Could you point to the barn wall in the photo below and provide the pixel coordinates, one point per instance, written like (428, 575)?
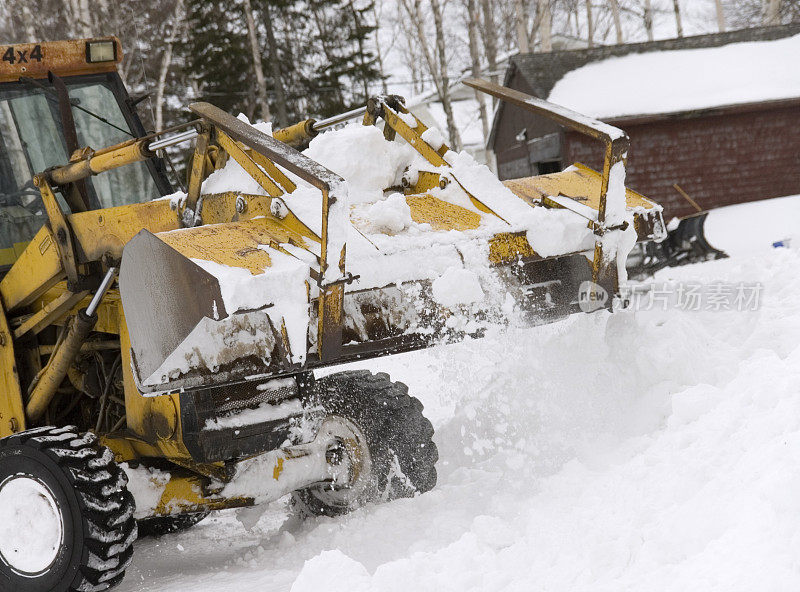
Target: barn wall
(718, 160)
(513, 159)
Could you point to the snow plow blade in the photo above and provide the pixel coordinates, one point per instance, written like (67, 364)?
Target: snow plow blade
(176, 314)
(685, 244)
(165, 296)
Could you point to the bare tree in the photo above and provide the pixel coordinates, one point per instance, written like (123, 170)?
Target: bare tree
(720, 16)
(617, 23)
(475, 58)
(444, 84)
(255, 51)
(166, 62)
(438, 71)
(378, 50)
(274, 62)
(490, 38)
(411, 47)
(545, 25)
(771, 12)
(590, 22)
(28, 20)
(522, 26)
(81, 17)
(648, 19)
(678, 25)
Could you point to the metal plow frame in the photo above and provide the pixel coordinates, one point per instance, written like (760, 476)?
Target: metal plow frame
(611, 213)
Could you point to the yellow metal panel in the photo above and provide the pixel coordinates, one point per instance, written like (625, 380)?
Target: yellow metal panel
(221, 207)
(12, 413)
(579, 183)
(107, 231)
(507, 247)
(441, 215)
(101, 232)
(234, 244)
(9, 255)
(153, 419)
(37, 270)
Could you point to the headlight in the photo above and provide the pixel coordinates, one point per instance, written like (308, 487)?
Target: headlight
(100, 51)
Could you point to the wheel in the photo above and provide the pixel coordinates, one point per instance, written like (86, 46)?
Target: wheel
(387, 440)
(66, 516)
(161, 525)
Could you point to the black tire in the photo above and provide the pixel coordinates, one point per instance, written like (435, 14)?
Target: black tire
(398, 436)
(90, 498)
(161, 525)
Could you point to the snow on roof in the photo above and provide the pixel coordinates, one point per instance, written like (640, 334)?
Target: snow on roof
(681, 80)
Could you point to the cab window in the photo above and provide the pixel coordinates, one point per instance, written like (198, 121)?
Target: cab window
(32, 140)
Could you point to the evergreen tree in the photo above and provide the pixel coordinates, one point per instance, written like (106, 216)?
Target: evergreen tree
(349, 69)
(217, 56)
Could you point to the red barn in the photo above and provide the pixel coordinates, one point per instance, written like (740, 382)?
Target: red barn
(718, 116)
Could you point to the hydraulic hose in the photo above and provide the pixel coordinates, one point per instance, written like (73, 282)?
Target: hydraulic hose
(62, 358)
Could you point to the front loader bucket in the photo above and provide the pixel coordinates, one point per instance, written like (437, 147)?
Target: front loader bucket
(165, 295)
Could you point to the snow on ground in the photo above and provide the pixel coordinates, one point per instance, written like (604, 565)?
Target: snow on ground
(646, 450)
(736, 229)
(671, 81)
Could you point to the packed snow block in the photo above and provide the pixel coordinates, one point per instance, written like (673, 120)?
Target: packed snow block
(165, 296)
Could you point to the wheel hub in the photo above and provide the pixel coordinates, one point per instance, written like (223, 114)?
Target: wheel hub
(31, 524)
(347, 452)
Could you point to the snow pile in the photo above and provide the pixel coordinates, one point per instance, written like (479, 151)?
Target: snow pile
(743, 229)
(216, 343)
(679, 80)
(147, 485)
(362, 156)
(433, 137)
(371, 165)
(389, 216)
(457, 286)
(557, 228)
(282, 286)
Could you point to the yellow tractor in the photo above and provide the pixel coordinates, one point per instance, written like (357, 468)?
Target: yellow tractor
(173, 341)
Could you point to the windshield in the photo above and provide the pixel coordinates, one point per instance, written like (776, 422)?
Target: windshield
(32, 140)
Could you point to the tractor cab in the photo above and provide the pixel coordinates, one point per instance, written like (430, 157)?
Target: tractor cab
(56, 98)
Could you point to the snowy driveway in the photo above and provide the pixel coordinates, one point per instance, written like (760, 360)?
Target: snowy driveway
(649, 450)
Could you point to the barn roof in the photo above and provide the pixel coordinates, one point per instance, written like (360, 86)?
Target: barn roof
(683, 80)
(667, 76)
